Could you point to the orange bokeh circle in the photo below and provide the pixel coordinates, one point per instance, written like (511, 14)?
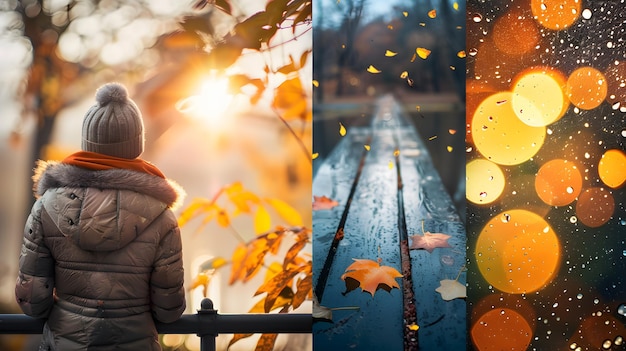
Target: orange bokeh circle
(595, 207)
(514, 33)
(558, 182)
(556, 14)
(501, 329)
(612, 168)
(616, 80)
(586, 88)
(518, 252)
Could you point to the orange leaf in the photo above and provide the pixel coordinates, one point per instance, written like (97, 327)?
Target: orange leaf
(292, 100)
(274, 286)
(432, 13)
(266, 342)
(237, 271)
(323, 203)
(422, 53)
(286, 212)
(222, 218)
(429, 241)
(304, 287)
(370, 276)
(342, 129)
(372, 69)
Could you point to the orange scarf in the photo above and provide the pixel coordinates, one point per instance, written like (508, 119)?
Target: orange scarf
(99, 162)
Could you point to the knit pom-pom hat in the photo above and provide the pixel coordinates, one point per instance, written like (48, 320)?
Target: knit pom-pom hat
(113, 126)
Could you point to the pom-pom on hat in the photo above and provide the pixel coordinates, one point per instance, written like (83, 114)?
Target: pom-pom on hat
(113, 126)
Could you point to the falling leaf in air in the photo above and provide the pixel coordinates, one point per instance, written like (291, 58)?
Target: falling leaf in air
(422, 53)
(452, 68)
(404, 74)
(451, 289)
(455, 6)
(342, 129)
(390, 165)
(449, 148)
(422, 24)
(461, 54)
(396, 153)
(432, 13)
(370, 276)
(432, 137)
(367, 147)
(429, 241)
(372, 69)
(323, 203)
(315, 155)
(316, 83)
(405, 14)
(452, 131)
(414, 57)
(390, 53)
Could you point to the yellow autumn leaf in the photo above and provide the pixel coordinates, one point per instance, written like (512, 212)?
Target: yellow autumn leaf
(285, 211)
(222, 218)
(406, 14)
(342, 129)
(422, 53)
(367, 147)
(455, 6)
(413, 326)
(449, 148)
(432, 137)
(390, 164)
(396, 153)
(372, 69)
(404, 74)
(452, 68)
(315, 155)
(461, 54)
(390, 53)
(432, 13)
(316, 83)
(262, 220)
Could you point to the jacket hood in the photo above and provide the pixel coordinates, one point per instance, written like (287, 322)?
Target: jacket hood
(102, 210)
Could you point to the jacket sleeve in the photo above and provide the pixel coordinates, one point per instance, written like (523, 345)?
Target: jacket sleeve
(167, 279)
(35, 280)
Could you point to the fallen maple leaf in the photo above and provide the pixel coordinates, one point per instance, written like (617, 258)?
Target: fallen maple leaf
(451, 289)
(370, 276)
(429, 241)
(323, 203)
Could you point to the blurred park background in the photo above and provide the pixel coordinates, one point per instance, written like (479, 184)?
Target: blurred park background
(224, 87)
(367, 49)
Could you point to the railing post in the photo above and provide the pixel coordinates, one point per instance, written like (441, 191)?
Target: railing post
(206, 320)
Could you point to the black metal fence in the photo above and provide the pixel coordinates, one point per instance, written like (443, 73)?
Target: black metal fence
(207, 324)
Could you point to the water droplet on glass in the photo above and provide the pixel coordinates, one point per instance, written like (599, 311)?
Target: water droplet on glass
(596, 301)
(607, 344)
(587, 155)
(572, 346)
(506, 218)
(477, 18)
(473, 51)
(543, 7)
(624, 133)
(573, 219)
(447, 260)
(556, 304)
(621, 310)
(483, 194)
(586, 14)
(609, 44)
(618, 340)
(569, 190)
(579, 296)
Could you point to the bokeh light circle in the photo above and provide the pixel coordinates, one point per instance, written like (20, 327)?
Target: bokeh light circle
(500, 136)
(538, 98)
(612, 168)
(586, 88)
(518, 252)
(514, 33)
(616, 80)
(484, 181)
(488, 331)
(595, 207)
(558, 182)
(556, 14)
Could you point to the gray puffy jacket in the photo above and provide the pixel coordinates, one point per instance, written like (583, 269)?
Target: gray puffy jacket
(101, 258)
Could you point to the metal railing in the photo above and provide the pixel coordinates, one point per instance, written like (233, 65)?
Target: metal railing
(207, 324)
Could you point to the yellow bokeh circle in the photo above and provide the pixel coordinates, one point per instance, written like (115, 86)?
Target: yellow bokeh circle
(518, 252)
(586, 88)
(500, 136)
(538, 99)
(612, 168)
(556, 14)
(484, 181)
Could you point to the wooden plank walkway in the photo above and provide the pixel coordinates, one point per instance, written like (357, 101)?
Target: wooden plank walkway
(383, 198)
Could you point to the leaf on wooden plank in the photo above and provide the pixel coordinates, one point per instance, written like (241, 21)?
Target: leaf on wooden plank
(285, 211)
(451, 289)
(423, 53)
(323, 203)
(262, 220)
(370, 276)
(266, 342)
(429, 241)
(321, 313)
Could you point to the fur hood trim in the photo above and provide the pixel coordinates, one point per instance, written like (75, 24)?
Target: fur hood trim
(53, 174)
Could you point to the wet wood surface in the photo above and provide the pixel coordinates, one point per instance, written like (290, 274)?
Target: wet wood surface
(371, 231)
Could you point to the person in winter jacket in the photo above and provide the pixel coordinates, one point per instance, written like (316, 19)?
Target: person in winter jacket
(101, 258)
